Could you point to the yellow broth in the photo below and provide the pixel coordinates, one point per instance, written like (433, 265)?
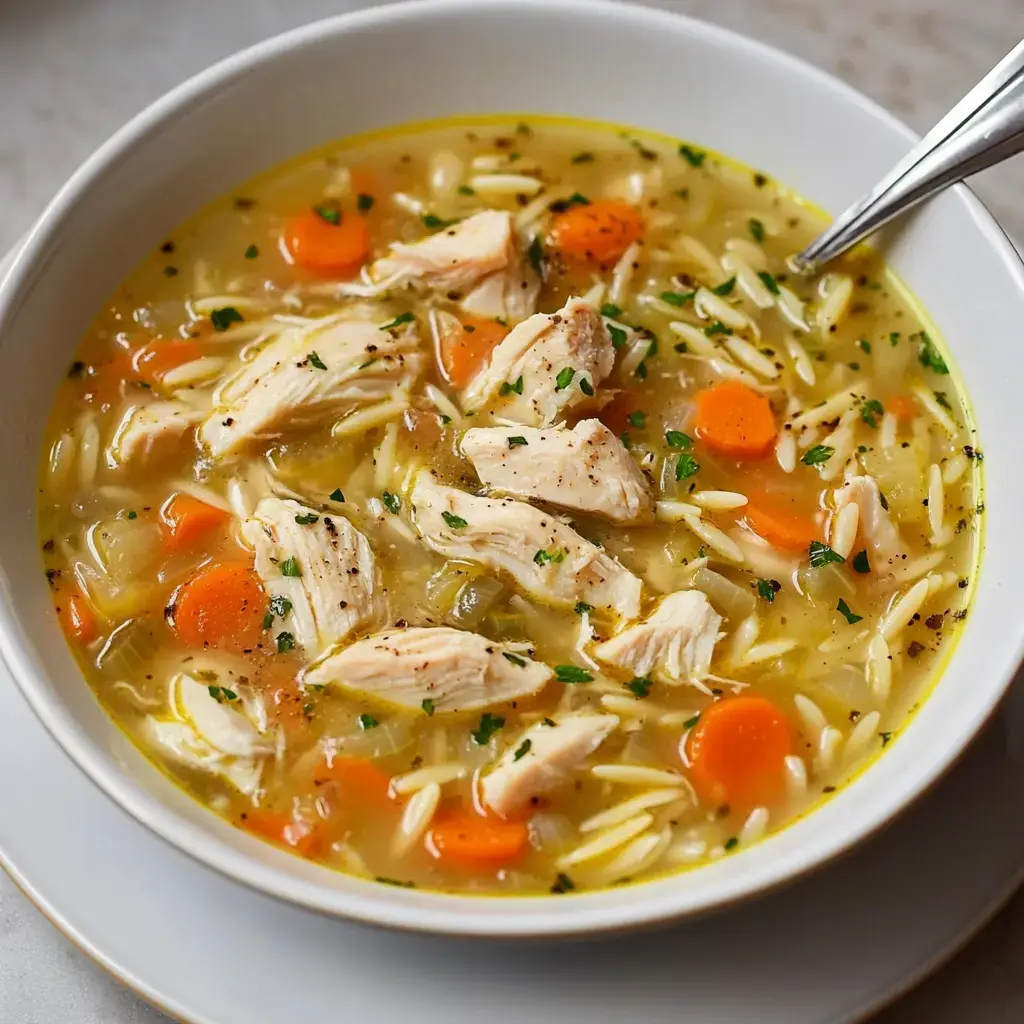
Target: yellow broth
(799, 631)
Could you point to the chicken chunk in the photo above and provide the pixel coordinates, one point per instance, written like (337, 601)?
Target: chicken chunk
(586, 469)
(150, 429)
(545, 366)
(319, 571)
(673, 645)
(454, 669)
(331, 368)
(509, 294)
(876, 525)
(546, 558)
(552, 753)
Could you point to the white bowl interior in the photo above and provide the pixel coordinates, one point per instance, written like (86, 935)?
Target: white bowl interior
(621, 64)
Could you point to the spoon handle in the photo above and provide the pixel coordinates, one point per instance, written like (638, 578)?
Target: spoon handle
(984, 128)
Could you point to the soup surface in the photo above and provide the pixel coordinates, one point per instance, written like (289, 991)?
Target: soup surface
(487, 508)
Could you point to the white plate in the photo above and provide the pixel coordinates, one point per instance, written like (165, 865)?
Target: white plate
(831, 948)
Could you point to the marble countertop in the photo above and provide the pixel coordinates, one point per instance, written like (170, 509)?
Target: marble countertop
(72, 71)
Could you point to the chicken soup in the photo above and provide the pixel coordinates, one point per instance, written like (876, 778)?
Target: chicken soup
(489, 508)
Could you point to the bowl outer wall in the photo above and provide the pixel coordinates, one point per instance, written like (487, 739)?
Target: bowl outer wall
(628, 65)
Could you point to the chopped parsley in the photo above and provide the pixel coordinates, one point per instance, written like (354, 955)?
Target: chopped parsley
(563, 883)
(885, 737)
(516, 388)
(453, 521)
(316, 361)
(769, 282)
(767, 589)
(610, 310)
(307, 518)
(489, 725)
(514, 658)
(756, 229)
(731, 843)
(467, 190)
(535, 254)
(583, 158)
(844, 609)
(694, 157)
(280, 605)
(364, 202)
(132, 514)
(677, 439)
(336, 495)
(676, 298)
(516, 440)
(817, 455)
(870, 411)
(617, 334)
(522, 750)
(285, 642)
(860, 562)
(586, 387)
(222, 319)
(864, 345)
(637, 419)
(640, 686)
(291, 567)
(940, 397)
(435, 223)
(821, 554)
(367, 722)
(641, 372)
(581, 608)
(428, 706)
(402, 318)
(252, 252)
(564, 378)
(691, 722)
(329, 212)
(544, 557)
(717, 328)
(392, 502)
(572, 674)
(930, 356)
(222, 693)
(686, 466)
(726, 287)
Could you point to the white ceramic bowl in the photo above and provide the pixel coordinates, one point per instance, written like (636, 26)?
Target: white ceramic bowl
(402, 63)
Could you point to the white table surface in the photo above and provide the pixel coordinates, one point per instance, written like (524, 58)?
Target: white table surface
(72, 71)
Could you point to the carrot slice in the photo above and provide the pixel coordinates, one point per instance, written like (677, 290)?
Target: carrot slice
(221, 605)
(903, 407)
(318, 243)
(307, 838)
(737, 753)
(464, 353)
(185, 520)
(735, 421)
(77, 618)
(597, 232)
(153, 360)
(470, 840)
(785, 528)
(358, 779)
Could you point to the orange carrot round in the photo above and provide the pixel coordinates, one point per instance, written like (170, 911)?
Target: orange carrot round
(153, 360)
(221, 605)
(903, 407)
(307, 838)
(464, 352)
(359, 779)
(328, 242)
(77, 618)
(185, 520)
(469, 840)
(737, 753)
(788, 529)
(597, 232)
(735, 421)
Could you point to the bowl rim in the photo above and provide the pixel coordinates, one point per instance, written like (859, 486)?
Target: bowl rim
(583, 914)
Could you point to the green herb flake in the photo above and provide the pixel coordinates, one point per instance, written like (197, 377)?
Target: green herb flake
(453, 521)
(821, 554)
(883, 501)
(885, 737)
(514, 658)
(870, 411)
(637, 419)
(546, 557)
(572, 674)
(581, 608)
(930, 356)
(392, 502)
(690, 723)
(677, 439)
(489, 725)
(677, 299)
(640, 686)
(694, 157)
(516, 441)
(364, 202)
(686, 466)
(402, 318)
(268, 620)
(435, 223)
(252, 252)
(717, 328)
(726, 287)
(329, 212)
(369, 362)
(367, 722)
(586, 387)
(730, 844)
(864, 345)
(428, 707)
(610, 310)
(641, 372)
(285, 642)
(564, 378)
(291, 567)
(307, 518)
(336, 495)
(894, 338)
(522, 750)
(860, 562)
(222, 319)
(280, 605)
(562, 884)
(618, 335)
(766, 589)
(817, 455)
(316, 361)
(844, 609)
(940, 397)
(516, 388)
(769, 282)
(535, 254)
(132, 514)
(756, 229)
(466, 190)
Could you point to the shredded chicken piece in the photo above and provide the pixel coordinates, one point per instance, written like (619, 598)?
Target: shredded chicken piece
(551, 754)
(453, 669)
(305, 374)
(586, 469)
(546, 558)
(333, 586)
(876, 524)
(673, 645)
(545, 366)
(150, 429)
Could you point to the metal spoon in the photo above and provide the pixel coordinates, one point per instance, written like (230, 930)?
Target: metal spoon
(984, 128)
